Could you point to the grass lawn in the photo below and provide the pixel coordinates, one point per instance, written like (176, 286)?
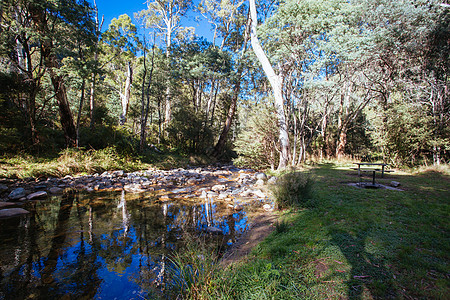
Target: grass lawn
(354, 244)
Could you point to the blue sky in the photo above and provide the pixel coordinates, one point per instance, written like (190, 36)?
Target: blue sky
(114, 8)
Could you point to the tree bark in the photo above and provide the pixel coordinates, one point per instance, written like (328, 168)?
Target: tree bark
(80, 108)
(125, 96)
(275, 82)
(145, 104)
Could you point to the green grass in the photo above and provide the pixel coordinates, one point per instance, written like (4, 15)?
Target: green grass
(354, 244)
(78, 161)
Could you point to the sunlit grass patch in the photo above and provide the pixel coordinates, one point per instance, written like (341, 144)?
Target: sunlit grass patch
(357, 243)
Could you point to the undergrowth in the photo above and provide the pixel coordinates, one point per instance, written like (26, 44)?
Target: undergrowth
(70, 161)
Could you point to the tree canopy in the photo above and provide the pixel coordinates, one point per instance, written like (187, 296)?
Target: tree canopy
(365, 79)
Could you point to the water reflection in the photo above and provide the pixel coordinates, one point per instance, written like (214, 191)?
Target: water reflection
(105, 247)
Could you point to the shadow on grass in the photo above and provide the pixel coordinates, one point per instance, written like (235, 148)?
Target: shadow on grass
(367, 272)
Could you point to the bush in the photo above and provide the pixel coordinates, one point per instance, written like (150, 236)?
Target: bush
(255, 144)
(293, 189)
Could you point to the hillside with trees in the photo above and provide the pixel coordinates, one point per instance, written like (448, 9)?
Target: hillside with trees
(281, 83)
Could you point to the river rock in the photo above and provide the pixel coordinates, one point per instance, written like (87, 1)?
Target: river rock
(3, 188)
(6, 204)
(13, 212)
(223, 196)
(259, 193)
(37, 195)
(260, 176)
(133, 188)
(272, 180)
(259, 182)
(238, 207)
(55, 190)
(267, 207)
(17, 194)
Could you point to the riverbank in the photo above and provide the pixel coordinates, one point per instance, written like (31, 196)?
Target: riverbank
(353, 244)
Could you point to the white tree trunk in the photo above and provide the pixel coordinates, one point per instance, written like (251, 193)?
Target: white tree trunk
(275, 83)
(125, 96)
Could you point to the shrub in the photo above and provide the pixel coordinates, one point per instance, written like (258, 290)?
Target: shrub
(293, 189)
(255, 144)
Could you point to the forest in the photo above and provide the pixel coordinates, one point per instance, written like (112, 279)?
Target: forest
(281, 82)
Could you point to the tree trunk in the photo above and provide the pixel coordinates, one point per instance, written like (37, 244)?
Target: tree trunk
(125, 96)
(220, 146)
(98, 26)
(168, 107)
(145, 104)
(80, 108)
(91, 101)
(65, 114)
(275, 82)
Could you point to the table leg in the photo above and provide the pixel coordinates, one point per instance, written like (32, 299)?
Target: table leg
(382, 171)
(373, 179)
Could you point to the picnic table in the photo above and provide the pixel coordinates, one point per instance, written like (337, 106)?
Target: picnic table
(371, 168)
(371, 165)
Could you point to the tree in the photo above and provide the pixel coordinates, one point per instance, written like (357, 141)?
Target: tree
(275, 82)
(164, 16)
(122, 43)
(75, 17)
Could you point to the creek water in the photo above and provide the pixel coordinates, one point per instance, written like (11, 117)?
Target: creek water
(105, 245)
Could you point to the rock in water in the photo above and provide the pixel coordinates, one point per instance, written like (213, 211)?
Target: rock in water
(13, 212)
(37, 195)
(17, 194)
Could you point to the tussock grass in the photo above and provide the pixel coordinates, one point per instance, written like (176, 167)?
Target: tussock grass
(293, 189)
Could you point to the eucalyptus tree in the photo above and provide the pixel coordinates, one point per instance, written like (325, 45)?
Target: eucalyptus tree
(165, 17)
(231, 23)
(96, 46)
(404, 66)
(21, 47)
(121, 42)
(276, 84)
(38, 32)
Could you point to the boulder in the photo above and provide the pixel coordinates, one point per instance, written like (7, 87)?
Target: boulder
(17, 194)
(37, 195)
(13, 212)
